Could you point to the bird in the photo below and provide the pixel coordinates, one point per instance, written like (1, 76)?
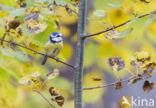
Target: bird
(53, 46)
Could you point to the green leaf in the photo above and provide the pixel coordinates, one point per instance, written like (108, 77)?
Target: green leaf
(11, 53)
(25, 30)
(61, 2)
(132, 20)
(114, 5)
(17, 12)
(6, 8)
(134, 1)
(100, 13)
(8, 52)
(29, 3)
(4, 76)
(125, 32)
(19, 55)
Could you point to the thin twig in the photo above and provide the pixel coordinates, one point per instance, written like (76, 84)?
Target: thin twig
(111, 84)
(36, 52)
(109, 29)
(44, 98)
(63, 6)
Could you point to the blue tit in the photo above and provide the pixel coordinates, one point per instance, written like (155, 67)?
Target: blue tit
(53, 46)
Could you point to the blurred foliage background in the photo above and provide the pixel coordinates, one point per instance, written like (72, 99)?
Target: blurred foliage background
(16, 62)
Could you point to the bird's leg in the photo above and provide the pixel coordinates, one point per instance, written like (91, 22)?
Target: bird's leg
(57, 59)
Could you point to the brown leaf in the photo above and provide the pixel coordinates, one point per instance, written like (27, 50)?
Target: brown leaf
(142, 56)
(147, 87)
(21, 3)
(148, 72)
(13, 24)
(59, 100)
(148, 69)
(53, 91)
(150, 65)
(118, 85)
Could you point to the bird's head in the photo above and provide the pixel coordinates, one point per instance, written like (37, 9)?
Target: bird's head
(56, 37)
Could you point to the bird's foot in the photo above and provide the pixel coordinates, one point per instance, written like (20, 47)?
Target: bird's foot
(57, 59)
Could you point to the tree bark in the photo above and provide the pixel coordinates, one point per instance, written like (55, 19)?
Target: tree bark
(80, 54)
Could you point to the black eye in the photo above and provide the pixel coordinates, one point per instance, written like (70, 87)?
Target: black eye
(57, 35)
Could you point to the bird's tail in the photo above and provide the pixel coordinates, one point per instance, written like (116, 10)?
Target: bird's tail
(44, 59)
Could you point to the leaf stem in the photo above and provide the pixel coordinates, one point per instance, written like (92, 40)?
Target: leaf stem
(44, 98)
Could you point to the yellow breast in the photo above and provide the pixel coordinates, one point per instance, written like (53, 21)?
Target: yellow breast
(53, 49)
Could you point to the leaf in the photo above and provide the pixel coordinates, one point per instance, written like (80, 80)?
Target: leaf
(17, 12)
(118, 85)
(147, 87)
(21, 56)
(8, 52)
(53, 91)
(132, 20)
(148, 22)
(61, 2)
(35, 26)
(100, 13)
(35, 74)
(114, 5)
(29, 3)
(6, 8)
(134, 1)
(32, 80)
(25, 81)
(142, 56)
(59, 100)
(52, 74)
(125, 32)
(21, 3)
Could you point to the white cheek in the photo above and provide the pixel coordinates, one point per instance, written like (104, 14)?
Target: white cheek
(57, 39)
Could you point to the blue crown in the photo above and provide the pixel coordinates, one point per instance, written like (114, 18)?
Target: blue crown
(53, 34)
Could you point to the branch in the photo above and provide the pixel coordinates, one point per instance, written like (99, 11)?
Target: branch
(81, 30)
(69, 8)
(44, 98)
(109, 29)
(38, 52)
(112, 84)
